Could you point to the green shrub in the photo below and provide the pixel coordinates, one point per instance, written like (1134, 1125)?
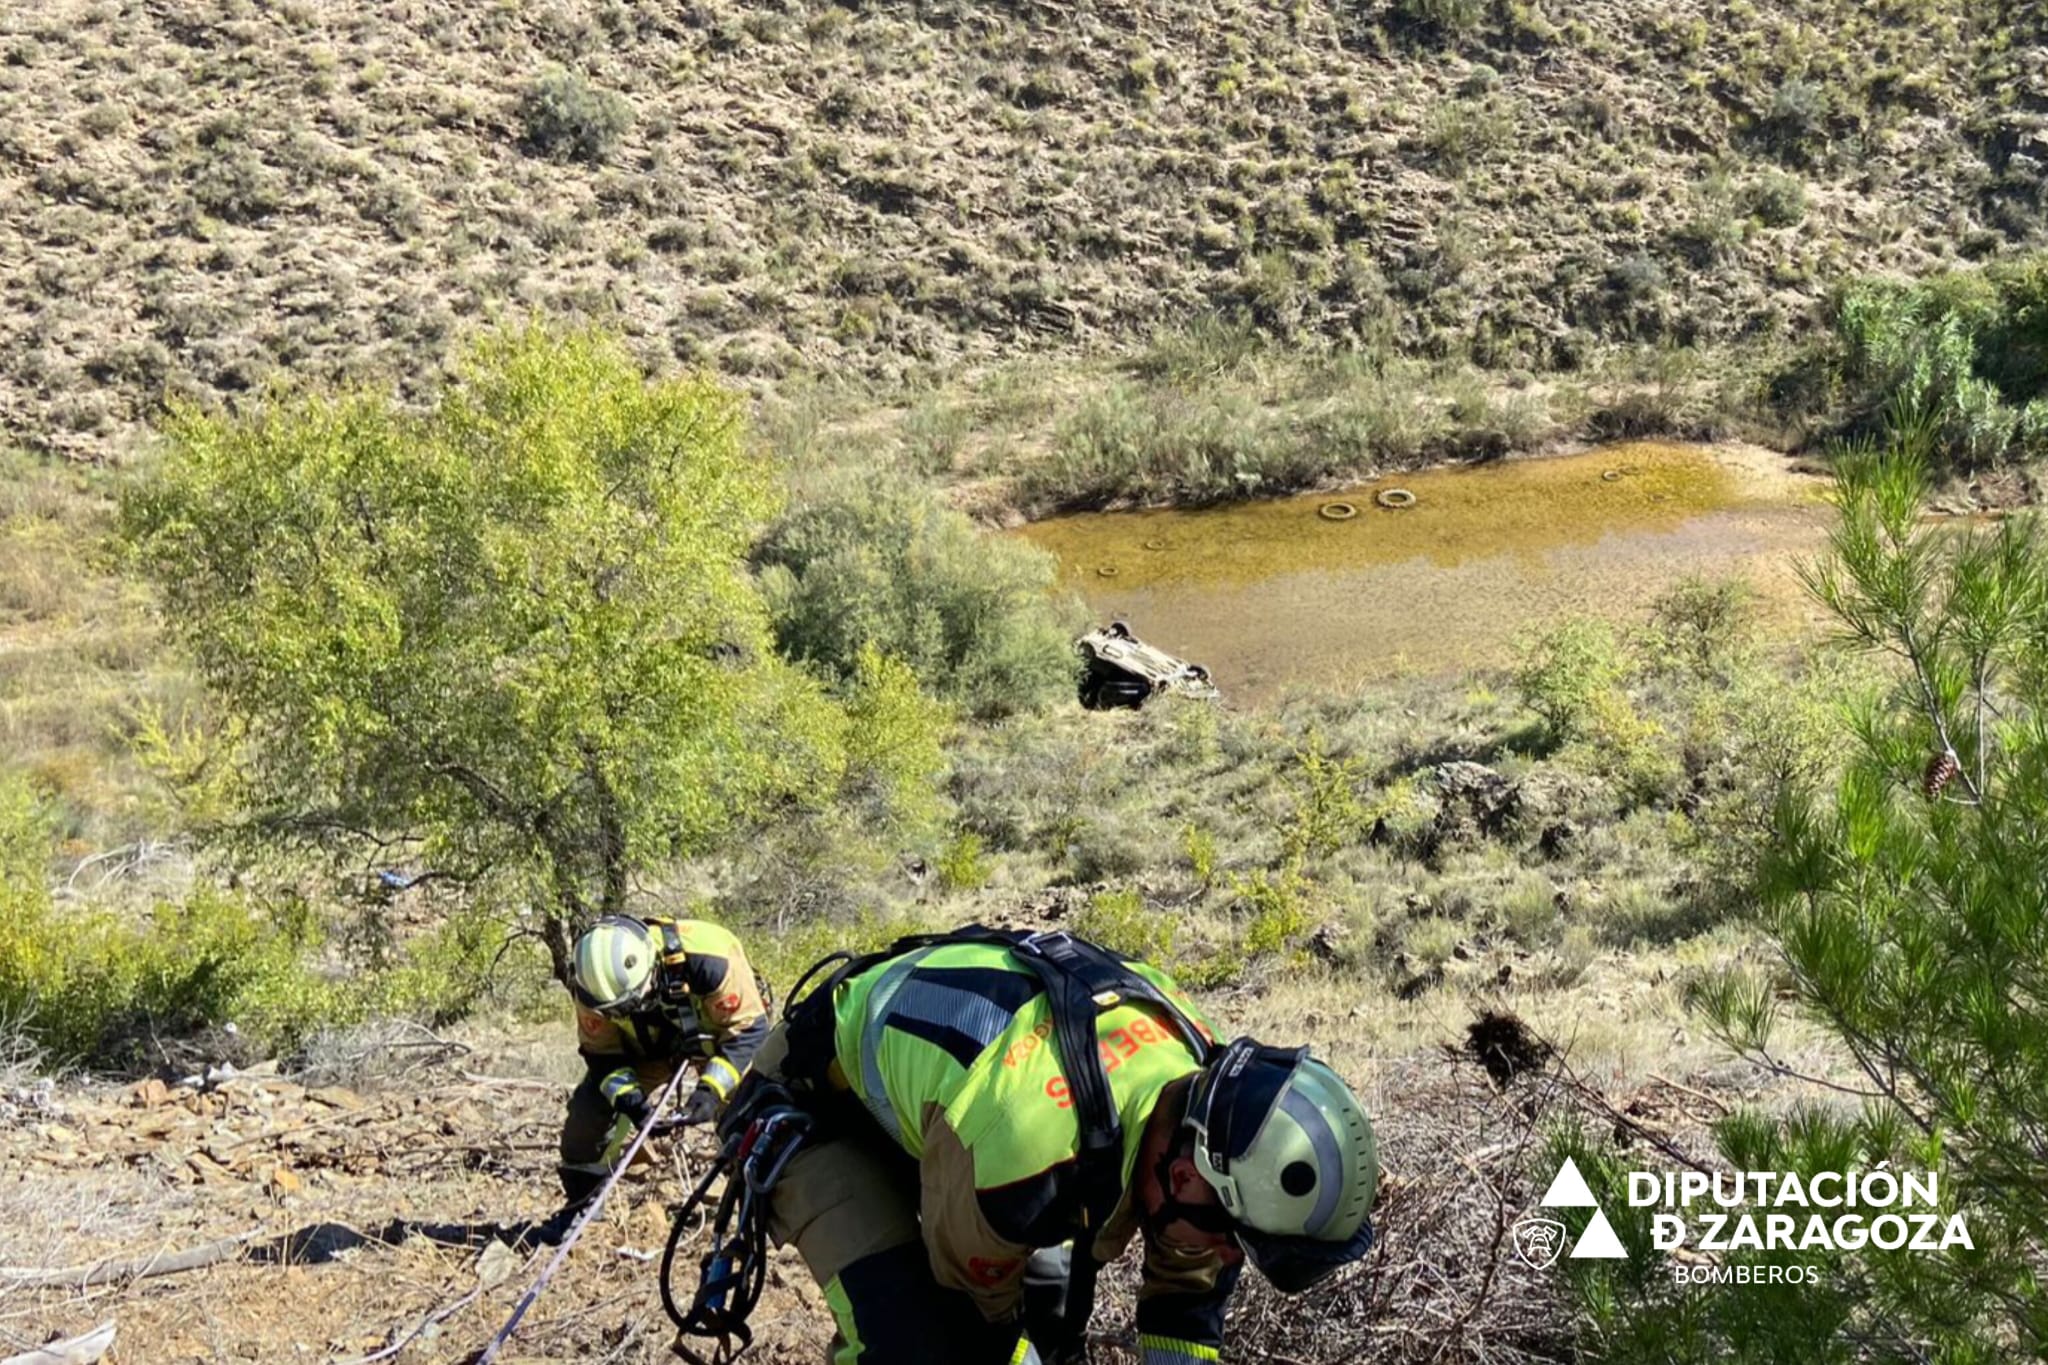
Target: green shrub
(895, 745)
(1461, 133)
(1198, 846)
(1120, 921)
(866, 561)
(1328, 813)
(1564, 673)
(105, 985)
(1911, 361)
(1274, 909)
(1777, 200)
(1715, 231)
(1702, 626)
(1209, 348)
(565, 115)
(961, 865)
(516, 625)
(934, 433)
(1796, 124)
(1447, 18)
(1108, 849)
(1431, 942)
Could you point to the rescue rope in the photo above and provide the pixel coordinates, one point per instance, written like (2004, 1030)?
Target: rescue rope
(590, 1211)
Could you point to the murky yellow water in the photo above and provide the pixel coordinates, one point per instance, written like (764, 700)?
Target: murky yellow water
(1271, 593)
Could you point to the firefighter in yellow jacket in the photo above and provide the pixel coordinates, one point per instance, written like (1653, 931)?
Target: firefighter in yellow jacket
(987, 1096)
(653, 995)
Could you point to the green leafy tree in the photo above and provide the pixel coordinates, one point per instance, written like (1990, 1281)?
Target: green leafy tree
(512, 636)
(1908, 914)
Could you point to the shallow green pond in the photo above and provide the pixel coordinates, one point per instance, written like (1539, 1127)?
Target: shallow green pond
(1296, 591)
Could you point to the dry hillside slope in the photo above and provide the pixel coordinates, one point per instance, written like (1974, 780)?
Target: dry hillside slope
(198, 194)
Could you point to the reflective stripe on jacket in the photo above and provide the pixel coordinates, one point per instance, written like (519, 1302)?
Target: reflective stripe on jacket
(950, 1050)
(707, 1008)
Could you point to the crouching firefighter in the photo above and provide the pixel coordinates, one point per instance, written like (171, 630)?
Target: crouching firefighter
(651, 996)
(972, 1103)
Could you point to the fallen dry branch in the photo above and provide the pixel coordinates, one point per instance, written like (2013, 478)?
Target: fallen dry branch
(82, 1350)
(131, 1269)
(438, 1316)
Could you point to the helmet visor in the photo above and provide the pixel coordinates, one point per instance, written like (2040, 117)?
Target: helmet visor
(610, 1009)
(1294, 1264)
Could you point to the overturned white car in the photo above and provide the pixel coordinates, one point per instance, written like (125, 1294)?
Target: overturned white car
(1119, 669)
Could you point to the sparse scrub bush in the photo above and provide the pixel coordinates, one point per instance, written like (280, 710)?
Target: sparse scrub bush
(1702, 626)
(1713, 233)
(1147, 445)
(1274, 909)
(867, 561)
(1617, 741)
(1198, 847)
(1576, 950)
(895, 745)
(1796, 124)
(1564, 673)
(231, 182)
(962, 865)
(934, 434)
(1106, 849)
(1528, 910)
(1121, 921)
(1464, 132)
(1208, 348)
(1750, 736)
(1375, 413)
(1328, 813)
(1632, 302)
(1430, 942)
(1776, 200)
(1190, 735)
(566, 115)
(1447, 18)
(104, 984)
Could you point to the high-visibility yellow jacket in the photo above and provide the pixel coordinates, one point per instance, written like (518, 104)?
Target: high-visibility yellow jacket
(950, 1049)
(706, 1007)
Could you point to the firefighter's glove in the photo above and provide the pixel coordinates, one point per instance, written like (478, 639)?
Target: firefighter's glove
(632, 1105)
(701, 1107)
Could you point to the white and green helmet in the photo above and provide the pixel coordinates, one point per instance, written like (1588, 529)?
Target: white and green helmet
(1289, 1151)
(614, 965)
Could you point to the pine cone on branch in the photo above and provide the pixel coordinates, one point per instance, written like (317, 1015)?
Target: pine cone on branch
(1941, 770)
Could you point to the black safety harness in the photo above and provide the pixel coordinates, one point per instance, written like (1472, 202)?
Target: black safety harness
(763, 1129)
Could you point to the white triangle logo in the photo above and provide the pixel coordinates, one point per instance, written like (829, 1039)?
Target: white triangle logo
(1569, 1191)
(1598, 1242)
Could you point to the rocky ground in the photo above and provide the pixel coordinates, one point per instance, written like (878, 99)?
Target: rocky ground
(382, 1223)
